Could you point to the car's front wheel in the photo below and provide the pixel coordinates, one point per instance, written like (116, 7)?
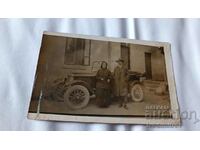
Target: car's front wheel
(77, 97)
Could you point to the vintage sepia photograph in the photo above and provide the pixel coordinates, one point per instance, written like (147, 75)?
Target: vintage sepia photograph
(107, 80)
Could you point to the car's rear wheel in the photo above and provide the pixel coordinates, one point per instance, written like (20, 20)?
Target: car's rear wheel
(137, 92)
(77, 97)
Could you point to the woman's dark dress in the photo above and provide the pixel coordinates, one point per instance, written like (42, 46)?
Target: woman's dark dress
(103, 87)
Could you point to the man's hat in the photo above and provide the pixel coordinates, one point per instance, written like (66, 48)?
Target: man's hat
(120, 60)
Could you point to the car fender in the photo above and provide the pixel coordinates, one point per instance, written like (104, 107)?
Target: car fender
(135, 82)
(80, 82)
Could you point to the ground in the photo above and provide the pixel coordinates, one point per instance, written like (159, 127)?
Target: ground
(151, 102)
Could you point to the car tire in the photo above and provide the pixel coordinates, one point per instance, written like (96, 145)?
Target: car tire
(137, 92)
(77, 97)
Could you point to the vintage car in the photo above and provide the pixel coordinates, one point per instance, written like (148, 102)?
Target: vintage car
(76, 89)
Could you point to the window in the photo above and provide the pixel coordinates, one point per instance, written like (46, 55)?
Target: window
(77, 51)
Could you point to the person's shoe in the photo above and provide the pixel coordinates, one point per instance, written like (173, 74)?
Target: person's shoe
(125, 106)
(120, 105)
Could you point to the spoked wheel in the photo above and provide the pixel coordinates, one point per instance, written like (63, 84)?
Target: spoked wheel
(137, 92)
(77, 97)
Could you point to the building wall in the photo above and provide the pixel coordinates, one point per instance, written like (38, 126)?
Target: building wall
(137, 57)
(100, 51)
(158, 65)
(115, 49)
(105, 51)
(137, 54)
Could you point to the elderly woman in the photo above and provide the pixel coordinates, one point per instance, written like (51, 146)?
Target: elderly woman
(103, 85)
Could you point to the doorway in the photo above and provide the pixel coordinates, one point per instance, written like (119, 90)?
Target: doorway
(125, 54)
(148, 67)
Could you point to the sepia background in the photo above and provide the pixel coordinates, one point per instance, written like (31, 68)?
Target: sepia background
(20, 41)
(62, 56)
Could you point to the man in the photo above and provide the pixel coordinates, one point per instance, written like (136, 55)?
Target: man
(103, 86)
(121, 83)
